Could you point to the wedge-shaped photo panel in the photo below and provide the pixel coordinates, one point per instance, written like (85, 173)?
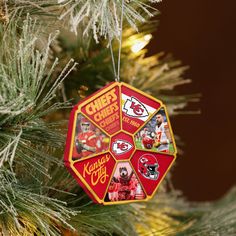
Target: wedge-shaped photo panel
(156, 135)
(88, 139)
(124, 185)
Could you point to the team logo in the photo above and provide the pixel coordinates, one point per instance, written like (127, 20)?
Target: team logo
(121, 146)
(135, 108)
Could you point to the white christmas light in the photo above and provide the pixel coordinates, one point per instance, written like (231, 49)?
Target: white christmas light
(141, 43)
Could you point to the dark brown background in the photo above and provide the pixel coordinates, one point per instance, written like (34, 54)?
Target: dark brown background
(201, 33)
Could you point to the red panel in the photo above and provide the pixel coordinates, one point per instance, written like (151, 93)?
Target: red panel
(96, 172)
(104, 110)
(150, 176)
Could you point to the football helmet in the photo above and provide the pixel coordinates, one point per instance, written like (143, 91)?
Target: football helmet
(147, 166)
(148, 139)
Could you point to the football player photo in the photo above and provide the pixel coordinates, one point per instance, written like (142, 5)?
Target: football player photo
(124, 185)
(156, 135)
(88, 139)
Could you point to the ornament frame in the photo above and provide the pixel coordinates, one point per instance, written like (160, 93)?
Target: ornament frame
(69, 162)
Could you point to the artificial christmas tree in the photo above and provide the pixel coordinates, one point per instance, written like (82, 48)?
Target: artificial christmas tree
(42, 73)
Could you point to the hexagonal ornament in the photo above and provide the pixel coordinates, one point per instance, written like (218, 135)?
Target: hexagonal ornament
(119, 145)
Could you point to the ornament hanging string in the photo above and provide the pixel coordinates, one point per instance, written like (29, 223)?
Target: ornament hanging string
(112, 58)
(117, 73)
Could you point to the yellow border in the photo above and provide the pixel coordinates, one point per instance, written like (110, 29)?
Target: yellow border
(72, 162)
(91, 156)
(140, 182)
(171, 131)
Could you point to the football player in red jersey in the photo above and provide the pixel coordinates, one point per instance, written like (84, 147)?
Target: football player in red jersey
(86, 139)
(163, 138)
(102, 141)
(113, 190)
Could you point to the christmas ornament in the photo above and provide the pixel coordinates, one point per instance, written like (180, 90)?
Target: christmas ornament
(119, 144)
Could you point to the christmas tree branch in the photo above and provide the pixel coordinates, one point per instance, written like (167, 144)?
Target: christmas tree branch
(99, 18)
(27, 142)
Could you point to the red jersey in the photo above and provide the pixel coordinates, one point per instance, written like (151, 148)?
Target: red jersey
(99, 143)
(133, 183)
(88, 138)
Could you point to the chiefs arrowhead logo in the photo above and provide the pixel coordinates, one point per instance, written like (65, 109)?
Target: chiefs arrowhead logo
(121, 146)
(135, 108)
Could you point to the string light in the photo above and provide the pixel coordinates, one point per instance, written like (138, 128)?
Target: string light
(139, 44)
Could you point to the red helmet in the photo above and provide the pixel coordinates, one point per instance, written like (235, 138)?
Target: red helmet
(147, 142)
(147, 166)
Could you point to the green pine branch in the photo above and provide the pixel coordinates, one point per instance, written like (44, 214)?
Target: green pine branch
(27, 141)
